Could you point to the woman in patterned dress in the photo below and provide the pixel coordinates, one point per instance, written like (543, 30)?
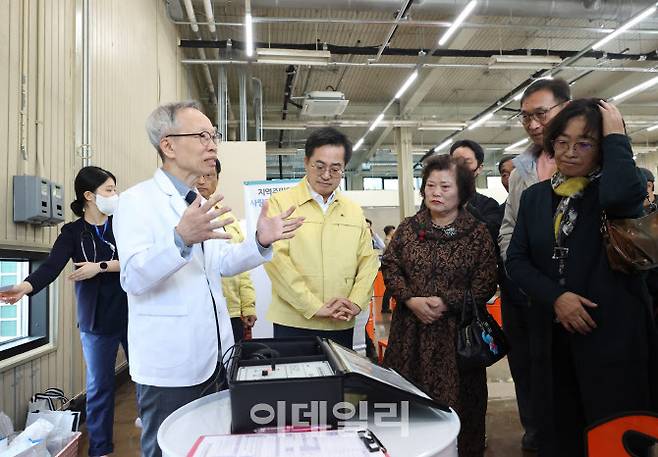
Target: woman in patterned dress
(435, 257)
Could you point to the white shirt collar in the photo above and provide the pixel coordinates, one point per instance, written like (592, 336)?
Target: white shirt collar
(320, 199)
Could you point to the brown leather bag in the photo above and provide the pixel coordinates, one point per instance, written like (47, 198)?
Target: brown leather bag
(631, 244)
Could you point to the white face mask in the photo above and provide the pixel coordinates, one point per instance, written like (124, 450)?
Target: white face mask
(107, 205)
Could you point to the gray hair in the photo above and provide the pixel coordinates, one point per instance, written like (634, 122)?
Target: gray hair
(162, 121)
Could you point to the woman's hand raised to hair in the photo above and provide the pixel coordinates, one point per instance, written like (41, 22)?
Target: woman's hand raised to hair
(613, 122)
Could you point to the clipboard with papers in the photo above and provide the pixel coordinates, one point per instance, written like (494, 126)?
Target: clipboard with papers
(330, 443)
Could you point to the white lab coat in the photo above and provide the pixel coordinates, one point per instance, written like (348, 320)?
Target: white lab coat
(172, 336)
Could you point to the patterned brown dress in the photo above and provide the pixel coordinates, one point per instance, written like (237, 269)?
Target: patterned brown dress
(421, 261)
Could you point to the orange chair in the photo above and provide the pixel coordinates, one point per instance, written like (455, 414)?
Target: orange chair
(494, 310)
(381, 347)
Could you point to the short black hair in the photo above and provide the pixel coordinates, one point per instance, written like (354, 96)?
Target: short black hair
(465, 178)
(473, 146)
(218, 167)
(585, 107)
(388, 229)
(502, 162)
(328, 135)
(557, 86)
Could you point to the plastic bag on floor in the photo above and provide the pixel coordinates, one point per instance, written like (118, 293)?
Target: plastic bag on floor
(6, 429)
(31, 442)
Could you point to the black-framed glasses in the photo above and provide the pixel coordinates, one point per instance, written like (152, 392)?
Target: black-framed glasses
(580, 147)
(335, 171)
(538, 115)
(204, 137)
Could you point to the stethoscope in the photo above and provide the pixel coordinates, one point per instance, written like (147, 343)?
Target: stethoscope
(93, 241)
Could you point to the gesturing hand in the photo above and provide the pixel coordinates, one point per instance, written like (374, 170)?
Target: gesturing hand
(198, 224)
(84, 271)
(275, 228)
(572, 314)
(14, 294)
(612, 119)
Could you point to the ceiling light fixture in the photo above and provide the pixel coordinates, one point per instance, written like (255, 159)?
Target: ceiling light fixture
(442, 145)
(652, 128)
(481, 120)
(407, 84)
(640, 17)
(512, 61)
(358, 144)
(455, 25)
(293, 56)
(376, 123)
(634, 90)
(516, 145)
(249, 35)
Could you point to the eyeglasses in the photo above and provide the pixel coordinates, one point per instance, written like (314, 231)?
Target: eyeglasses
(204, 137)
(335, 171)
(538, 115)
(580, 147)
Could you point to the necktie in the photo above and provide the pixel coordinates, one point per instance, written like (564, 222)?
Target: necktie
(190, 197)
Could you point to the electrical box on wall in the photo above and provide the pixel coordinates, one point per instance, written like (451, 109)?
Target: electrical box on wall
(37, 201)
(56, 204)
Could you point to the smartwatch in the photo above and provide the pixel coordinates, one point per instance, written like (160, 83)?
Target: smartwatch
(103, 266)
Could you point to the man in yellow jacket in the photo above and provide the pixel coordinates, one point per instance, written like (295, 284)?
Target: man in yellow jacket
(238, 290)
(323, 277)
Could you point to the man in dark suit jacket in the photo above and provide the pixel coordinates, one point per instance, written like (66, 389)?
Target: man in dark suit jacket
(484, 208)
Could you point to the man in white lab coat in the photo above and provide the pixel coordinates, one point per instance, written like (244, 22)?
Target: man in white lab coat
(172, 255)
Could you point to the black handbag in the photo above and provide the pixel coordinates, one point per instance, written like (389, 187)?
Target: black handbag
(480, 340)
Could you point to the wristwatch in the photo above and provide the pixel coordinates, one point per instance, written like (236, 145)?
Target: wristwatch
(103, 266)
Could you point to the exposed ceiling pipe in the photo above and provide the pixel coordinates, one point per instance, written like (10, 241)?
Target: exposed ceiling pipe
(191, 16)
(420, 23)
(189, 9)
(207, 76)
(611, 9)
(432, 65)
(210, 17)
(401, 13)
(482, 53)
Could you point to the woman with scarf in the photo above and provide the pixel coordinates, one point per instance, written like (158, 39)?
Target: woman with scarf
(592, 338)
(102, 304)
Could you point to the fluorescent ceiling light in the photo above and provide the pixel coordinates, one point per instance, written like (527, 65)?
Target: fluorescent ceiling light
(358, 144)
(249, 35)
(293, 56)
(455, 25)
(633, 90)
(448, 127)
(517, 144)
(442, 145)
(406, 84)
(376, 123)
(652, 128)
(640, 17)
(503, 61)
(481, 120)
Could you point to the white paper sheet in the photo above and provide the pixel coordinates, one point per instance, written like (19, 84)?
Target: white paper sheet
(308, 444)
